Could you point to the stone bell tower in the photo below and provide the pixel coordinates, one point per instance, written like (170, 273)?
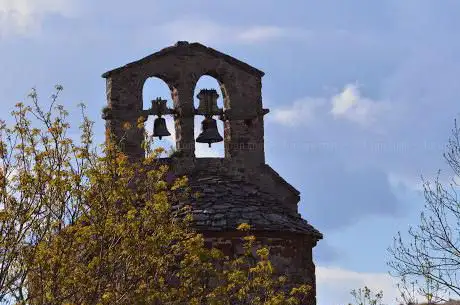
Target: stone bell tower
(239, 188)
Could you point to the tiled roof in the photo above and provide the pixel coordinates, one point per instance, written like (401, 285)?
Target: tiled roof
(226, 202)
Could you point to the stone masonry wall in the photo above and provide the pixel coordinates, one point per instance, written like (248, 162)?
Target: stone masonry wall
(237, 187)
(290, 254)
(180, 67)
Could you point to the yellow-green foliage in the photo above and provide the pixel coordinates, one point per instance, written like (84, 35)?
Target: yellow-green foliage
(365, 296)
(86, 226)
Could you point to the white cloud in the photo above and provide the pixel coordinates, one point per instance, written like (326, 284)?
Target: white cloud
(456, 180)
(261, 33)
(350, 105)
(202, 31)
(334, 285)
(209, 32)
(301, 112)
(25, 16)
(412, 183)
(417, 183)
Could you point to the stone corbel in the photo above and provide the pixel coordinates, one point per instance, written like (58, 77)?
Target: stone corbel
(229, 115)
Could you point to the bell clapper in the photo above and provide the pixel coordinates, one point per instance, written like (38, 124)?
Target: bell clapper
(159, 125)
(208, 107)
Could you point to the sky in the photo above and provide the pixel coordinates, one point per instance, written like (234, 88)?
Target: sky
(362, 97)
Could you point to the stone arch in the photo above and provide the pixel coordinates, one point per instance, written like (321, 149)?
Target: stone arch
(180, 67)
(207, 81)
(153, 87)
(162, 79)
(223, 78)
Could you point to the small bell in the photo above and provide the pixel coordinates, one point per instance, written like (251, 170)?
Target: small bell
(209, 133)
(159, 128)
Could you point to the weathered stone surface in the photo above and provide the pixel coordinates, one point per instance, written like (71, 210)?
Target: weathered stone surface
(238, 188)
(263, 212)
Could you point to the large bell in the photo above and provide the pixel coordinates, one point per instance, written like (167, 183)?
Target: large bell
(209, 133)
(159, 128)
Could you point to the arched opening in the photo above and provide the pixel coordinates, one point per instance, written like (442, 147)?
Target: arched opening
(153, 88)
(202, 149)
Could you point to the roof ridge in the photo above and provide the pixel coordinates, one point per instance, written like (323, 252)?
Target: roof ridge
(182, 46)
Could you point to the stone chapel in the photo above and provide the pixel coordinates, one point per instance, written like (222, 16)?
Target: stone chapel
(238, 188)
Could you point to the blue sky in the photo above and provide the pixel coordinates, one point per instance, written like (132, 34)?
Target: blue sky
(362, 95)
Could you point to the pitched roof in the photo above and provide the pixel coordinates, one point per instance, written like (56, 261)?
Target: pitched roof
(182, 47)
(226, 202)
